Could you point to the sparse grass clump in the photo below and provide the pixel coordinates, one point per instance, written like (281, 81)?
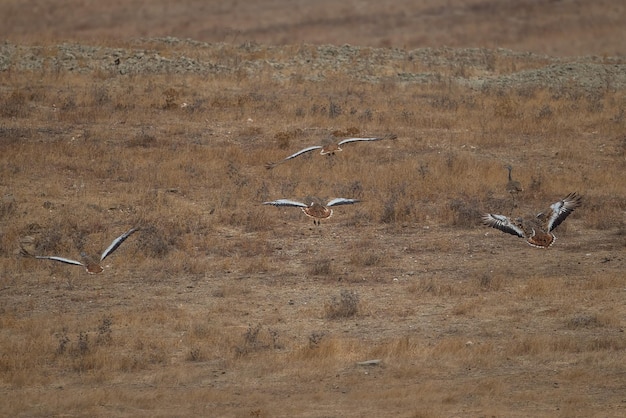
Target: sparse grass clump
(346, 306)
(466, 212)
(316, 338)
(367, 258)
(13, 105)
(489, 282)
(255, 340)
(321, 267)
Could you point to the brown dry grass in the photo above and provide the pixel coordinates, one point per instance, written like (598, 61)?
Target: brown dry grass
(223, 307)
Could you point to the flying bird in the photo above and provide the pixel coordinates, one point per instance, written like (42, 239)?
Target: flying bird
(315, 210)
(329, 149)
(536, 230)
(90, 265)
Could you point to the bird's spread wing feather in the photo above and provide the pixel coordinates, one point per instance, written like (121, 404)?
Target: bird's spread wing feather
(116, 243)
(61, 259)
(341, 201)
(302, 151)
(376, 138)
(504, 224)
(285, 202)
(561, 210)
(345, 141)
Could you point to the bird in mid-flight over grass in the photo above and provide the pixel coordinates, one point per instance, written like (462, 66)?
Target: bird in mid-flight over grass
(315, 210)
(536, 230)
(329, 149)
(90, 265)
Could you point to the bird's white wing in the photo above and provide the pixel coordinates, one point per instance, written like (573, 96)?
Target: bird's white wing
(302, 151)
(562, 209)
(285, 202)
(503, 223)
(116, 243)
(345, 141)
(375, 138)
(341, 201)
(61, 259)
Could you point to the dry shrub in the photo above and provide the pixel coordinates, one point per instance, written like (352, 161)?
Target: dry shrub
(367, 258)
(8, 206)
(93, 350)
(321, 267)
(283, 138)
(489, 282)
(249, 134)
(100, 95)
(258, 265)
(435, 288)
(14, 105)
(198, 338)
(604, 281)
(398, 206)
(157, 242)
(171, 98)
(398, 348)
(66, 236)
(196, 354)
(316, 338)
(255, 340)
(352, 131)
(105, 334)
(605, 319)
(583, 321)
(466, 212)
(143, 140)
(604, 212)
(542, 344)
(497, 205)
(329, 352)
(538, 287)
(11, 135)
(255, 219)
(468, 307)
(449, 346)
(346, 306)
(249, 246)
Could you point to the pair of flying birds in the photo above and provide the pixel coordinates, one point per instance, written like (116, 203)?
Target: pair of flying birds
(536, 230)
(315, 210)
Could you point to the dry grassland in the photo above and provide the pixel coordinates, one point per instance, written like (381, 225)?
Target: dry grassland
(220, 306)
(558, 27)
